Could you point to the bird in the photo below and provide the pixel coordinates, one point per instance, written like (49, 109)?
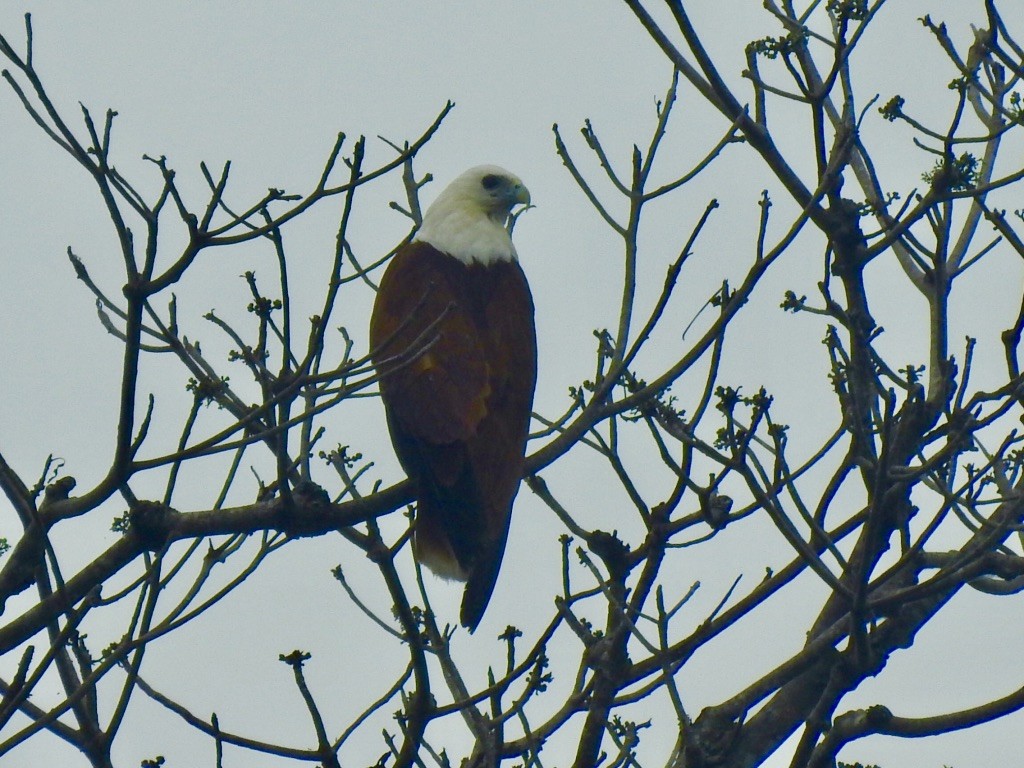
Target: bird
(454, 343)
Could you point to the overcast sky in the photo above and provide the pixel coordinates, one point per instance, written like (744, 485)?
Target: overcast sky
(268, 86)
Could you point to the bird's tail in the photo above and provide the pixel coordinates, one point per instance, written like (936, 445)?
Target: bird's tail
(433, 544)
(453, 539)
(482, 578)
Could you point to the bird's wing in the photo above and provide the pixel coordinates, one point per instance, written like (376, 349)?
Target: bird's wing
(496, 450)
(427, 349)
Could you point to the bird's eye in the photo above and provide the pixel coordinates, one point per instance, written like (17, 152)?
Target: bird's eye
(490, 182)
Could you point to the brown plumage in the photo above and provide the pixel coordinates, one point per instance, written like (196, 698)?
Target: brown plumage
(453, 339)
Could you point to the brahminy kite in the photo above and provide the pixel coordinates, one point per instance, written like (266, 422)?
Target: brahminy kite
(453, 340)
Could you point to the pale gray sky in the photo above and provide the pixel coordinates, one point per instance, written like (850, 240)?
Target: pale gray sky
(268, 86)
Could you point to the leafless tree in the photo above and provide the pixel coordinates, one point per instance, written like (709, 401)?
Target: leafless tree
(899, 492)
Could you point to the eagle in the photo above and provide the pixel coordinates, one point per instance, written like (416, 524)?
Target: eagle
(453, 340)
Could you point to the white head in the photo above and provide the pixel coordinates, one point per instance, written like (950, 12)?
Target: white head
(468, 219)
